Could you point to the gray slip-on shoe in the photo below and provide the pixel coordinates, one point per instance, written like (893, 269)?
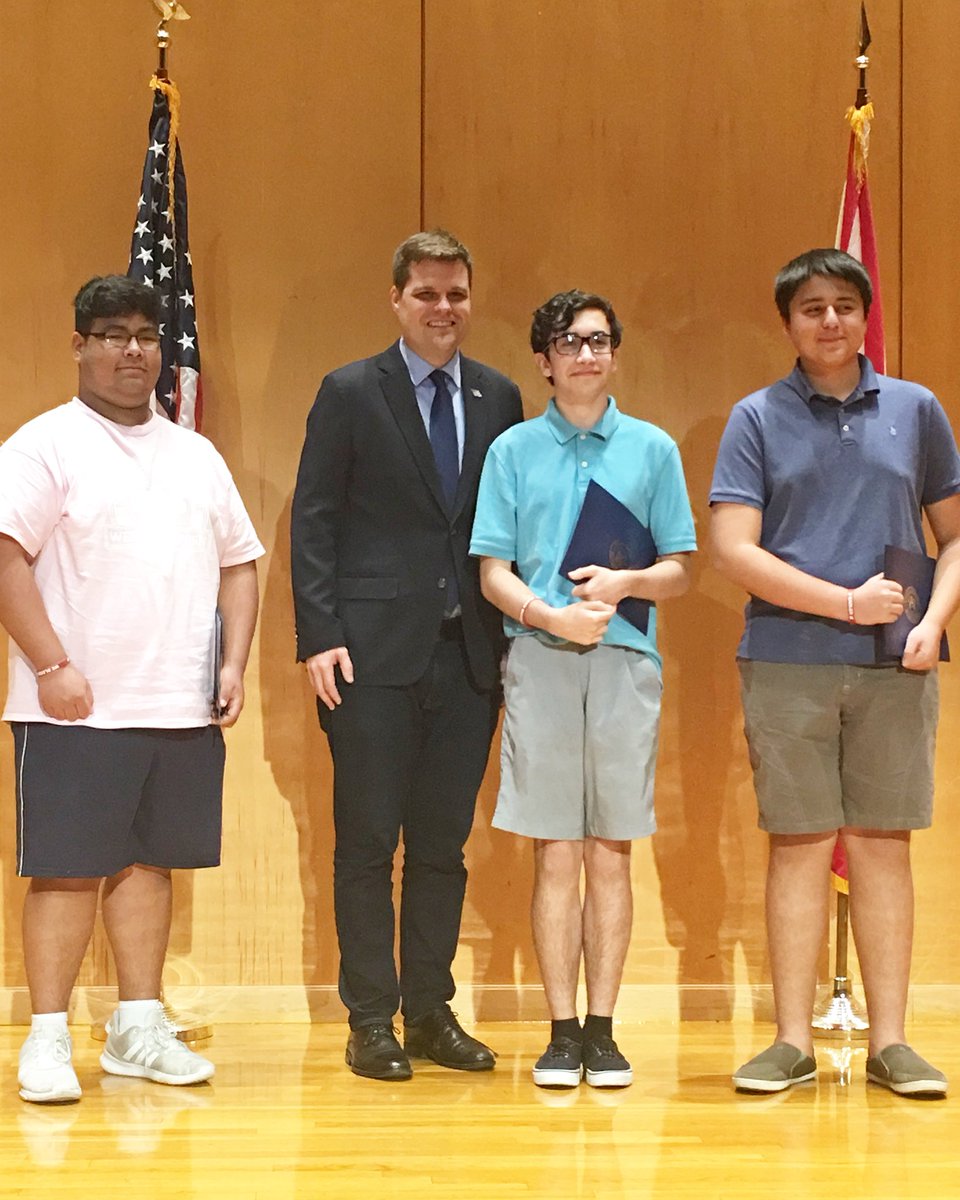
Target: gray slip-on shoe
(903, 1071)
(773, 1070)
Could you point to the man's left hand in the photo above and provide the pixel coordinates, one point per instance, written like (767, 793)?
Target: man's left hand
(231, 697)
(922, 650)
(599, 583)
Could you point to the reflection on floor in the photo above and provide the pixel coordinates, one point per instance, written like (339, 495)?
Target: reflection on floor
(285, 1118)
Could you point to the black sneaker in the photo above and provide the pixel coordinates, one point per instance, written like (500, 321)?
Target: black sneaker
(559, 1065)
(604, 1065)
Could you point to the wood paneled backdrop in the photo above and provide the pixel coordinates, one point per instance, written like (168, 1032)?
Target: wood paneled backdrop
(669, 153)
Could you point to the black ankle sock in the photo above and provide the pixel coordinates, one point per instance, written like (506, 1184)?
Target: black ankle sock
(569, 1028)
(595, 1026)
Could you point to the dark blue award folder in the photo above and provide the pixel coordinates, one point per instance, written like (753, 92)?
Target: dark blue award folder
(607, 534)
(914, 573)
(216, 706)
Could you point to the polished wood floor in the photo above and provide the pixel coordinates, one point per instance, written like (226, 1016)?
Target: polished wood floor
(285, 1118)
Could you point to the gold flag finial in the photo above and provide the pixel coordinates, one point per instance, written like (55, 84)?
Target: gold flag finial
(171, 10)
(861, 114)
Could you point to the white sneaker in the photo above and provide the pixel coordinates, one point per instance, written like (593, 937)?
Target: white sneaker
(152, 1051)
(46, 1075)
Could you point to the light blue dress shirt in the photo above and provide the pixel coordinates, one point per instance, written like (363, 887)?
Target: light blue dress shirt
(425, 388)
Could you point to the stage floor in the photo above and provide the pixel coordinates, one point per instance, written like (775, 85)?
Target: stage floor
(285, 1118)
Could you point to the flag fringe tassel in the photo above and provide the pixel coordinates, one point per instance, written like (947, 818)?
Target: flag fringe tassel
(172, 93)
(859, 120)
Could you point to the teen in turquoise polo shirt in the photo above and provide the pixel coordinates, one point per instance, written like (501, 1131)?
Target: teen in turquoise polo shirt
(581, 683)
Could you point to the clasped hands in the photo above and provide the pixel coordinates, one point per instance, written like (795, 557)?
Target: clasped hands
(879, 601)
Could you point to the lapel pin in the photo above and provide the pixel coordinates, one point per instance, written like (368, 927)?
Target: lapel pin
(476, 392)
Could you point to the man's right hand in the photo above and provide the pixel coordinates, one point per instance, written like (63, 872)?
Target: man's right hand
(65, 695)
(879, 601)
(584, 622)
(323, 675)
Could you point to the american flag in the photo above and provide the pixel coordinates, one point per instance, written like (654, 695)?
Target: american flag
(160, 257)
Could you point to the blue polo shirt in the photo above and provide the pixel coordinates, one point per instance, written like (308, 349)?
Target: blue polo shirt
(534, 480)
(836, 482)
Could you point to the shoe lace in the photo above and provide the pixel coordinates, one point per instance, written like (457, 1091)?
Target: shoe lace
(564, 1045)
(43, 1044)
(374, 1031)
(154, 1040)
(605, 1047)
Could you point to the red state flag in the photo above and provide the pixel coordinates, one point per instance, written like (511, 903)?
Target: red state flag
(857, 236)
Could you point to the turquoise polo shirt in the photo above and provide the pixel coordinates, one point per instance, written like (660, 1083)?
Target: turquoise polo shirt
(534, 480)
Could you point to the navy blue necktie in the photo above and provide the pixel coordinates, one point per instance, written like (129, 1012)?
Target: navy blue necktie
(443, 436)
(446, 454)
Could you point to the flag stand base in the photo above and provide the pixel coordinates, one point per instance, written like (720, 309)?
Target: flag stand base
(186, 1025)
(840, 1014)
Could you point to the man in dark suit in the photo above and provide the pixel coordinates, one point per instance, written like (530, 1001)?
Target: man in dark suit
(401, 649)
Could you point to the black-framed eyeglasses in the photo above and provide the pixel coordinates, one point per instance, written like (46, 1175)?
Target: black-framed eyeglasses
(119, 339)
(572, 343)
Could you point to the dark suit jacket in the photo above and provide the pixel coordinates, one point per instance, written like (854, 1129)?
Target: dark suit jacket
(372, 539)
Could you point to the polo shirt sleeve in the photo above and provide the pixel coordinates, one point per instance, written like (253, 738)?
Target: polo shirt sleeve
(32, 489)
(941, 477)
(738, 475)
(495, 524)
(671, 521)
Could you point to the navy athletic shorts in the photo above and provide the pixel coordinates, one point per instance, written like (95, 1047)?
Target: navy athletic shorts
(91, 802)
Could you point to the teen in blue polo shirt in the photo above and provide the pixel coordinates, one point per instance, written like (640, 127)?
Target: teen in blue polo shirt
(582, 684)
(815, 476)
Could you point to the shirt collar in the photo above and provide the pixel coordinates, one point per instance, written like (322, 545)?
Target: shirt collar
(799, 383)
(563, 431)
(420, 369)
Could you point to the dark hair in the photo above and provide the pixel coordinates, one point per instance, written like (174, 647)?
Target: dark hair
(828, 264)
(557, 314)
(114, 296)
(435, 244)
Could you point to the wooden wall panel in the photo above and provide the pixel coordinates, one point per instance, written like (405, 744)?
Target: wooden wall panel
(301, 139)
(670, 153)
(931, 284)
(673, 156)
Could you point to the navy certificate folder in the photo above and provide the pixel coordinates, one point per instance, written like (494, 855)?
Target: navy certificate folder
(914, 573)
(607, 534)
(216, 706)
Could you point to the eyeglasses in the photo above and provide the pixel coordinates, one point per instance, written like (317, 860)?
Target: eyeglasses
(119, 339)
(572, 343)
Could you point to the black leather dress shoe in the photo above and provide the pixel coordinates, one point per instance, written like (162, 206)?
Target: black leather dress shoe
(438, 1036)
(374, 1052)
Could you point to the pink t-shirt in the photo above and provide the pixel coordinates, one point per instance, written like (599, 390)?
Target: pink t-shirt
(129, 527)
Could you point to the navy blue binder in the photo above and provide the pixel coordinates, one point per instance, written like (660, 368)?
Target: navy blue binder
(216, 706)
(607, 534)
(914, 573)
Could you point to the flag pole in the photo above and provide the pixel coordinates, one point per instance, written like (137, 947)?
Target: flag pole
(840, 1014)
(170, 10)
(188, 1027)
(163, 41)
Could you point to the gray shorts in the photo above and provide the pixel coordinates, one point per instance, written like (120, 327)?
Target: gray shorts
(579, 743)
(834, 745)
